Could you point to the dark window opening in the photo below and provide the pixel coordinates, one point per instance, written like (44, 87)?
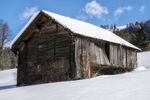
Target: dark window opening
(107, 50)
(39, 26)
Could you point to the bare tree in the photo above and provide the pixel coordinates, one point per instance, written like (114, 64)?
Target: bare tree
(7, 58)
(4, 32)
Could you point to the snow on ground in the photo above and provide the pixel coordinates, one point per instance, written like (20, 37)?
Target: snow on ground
(127, 86)
(144, 59)
(8, 78)
(130, 86)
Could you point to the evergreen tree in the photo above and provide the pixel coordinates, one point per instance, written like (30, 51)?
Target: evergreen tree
(140, 38)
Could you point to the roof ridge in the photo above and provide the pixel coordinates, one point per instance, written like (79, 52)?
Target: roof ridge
(85, 29)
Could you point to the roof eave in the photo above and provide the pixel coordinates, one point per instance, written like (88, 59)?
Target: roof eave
(12, 44)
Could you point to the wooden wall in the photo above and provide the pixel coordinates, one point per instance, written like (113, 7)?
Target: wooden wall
(121, 56)
(90, 56)
(87, 56)
(46, 56)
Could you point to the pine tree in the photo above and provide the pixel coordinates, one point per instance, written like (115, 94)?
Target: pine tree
(140, 38)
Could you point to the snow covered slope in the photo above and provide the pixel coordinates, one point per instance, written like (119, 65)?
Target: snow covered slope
(128, 86)
(8, 78)
(144, 59)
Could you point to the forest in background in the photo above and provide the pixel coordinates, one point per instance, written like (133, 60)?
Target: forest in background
(137, 33)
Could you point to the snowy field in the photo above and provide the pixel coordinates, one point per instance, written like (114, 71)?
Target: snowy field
(8, 79)
(144, 59)
(127, 86)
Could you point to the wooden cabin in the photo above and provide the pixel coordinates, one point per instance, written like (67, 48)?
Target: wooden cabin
(53, 48)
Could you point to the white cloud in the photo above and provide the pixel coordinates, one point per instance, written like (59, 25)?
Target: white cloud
(119, 11)
(142, 8)
(28, 13)
(94, 9)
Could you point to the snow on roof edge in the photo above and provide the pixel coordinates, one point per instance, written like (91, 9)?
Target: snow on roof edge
(49, 13)
(126, 43)
(24, 28)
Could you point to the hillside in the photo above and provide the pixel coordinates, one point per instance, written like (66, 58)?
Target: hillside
(128, 86)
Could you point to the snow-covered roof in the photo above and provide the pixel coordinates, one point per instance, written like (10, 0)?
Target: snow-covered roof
(82, 28)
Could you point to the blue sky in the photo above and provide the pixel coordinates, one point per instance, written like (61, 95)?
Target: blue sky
(98, 12)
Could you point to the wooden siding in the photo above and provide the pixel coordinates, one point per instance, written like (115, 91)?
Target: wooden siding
(88, 55)
(46, 56)
(122, 56)
(91, 56)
